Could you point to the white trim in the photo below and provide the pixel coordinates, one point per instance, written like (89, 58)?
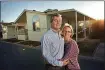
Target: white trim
(76, 25)
(84, 27)
(31, 11)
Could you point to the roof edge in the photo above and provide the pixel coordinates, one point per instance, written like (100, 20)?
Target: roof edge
(60, 11)
(20, 15)
(67, 10)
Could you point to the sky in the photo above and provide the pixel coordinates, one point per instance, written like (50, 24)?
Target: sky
(10, 10)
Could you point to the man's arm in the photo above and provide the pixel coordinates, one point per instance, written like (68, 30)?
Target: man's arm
(45, 44)
(67, 55)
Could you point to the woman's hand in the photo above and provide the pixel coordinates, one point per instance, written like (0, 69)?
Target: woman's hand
(65, 62)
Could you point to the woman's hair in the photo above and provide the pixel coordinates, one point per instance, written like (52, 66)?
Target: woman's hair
(67, 25)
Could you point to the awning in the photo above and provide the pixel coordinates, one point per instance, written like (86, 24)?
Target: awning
(20, 24)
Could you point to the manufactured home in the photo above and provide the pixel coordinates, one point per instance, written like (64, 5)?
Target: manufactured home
(8, 30)
(32, 24)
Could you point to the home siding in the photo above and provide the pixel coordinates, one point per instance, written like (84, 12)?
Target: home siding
(36, 35)
(48, 22)
(11, 33)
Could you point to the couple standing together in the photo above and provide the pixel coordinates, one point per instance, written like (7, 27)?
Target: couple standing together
(59, 51)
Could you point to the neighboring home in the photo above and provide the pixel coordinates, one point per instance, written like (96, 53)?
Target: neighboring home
(32, 24)
(9, 30)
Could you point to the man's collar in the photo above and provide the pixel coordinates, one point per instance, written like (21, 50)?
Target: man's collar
(55, 30)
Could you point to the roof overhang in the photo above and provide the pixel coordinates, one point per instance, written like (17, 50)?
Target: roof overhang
(20, 24)
(70, 14)
(22, 17)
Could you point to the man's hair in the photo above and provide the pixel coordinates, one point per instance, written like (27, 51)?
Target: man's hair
(57, 15)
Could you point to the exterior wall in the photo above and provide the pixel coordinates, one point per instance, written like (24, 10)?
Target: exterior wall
(36, 35)
(48, 22)
(26, 26)
(21, 37)
(73, 23)
(5, 36)
(64, 20)
(5, 33)
(11, 33)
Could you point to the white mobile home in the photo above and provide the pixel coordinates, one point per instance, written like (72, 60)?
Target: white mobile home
(31, 24)
(9, 30)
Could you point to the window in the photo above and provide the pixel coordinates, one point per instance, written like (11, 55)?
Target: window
(36, 23)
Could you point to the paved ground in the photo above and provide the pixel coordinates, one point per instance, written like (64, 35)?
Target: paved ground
(16, 57)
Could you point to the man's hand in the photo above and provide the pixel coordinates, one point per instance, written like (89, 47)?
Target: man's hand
(65, 62)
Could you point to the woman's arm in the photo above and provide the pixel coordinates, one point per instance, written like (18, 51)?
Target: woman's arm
(67, 54)
(72, 51)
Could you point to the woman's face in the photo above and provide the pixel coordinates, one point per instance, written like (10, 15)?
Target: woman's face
(67, 32)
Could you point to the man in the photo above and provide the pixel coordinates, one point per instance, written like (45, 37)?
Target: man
(52, 45)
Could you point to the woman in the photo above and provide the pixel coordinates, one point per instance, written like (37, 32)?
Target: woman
(71, 50)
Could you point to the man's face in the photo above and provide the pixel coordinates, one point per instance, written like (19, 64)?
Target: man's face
(56, 23)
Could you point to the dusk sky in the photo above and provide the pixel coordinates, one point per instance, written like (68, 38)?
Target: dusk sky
(10, 10)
